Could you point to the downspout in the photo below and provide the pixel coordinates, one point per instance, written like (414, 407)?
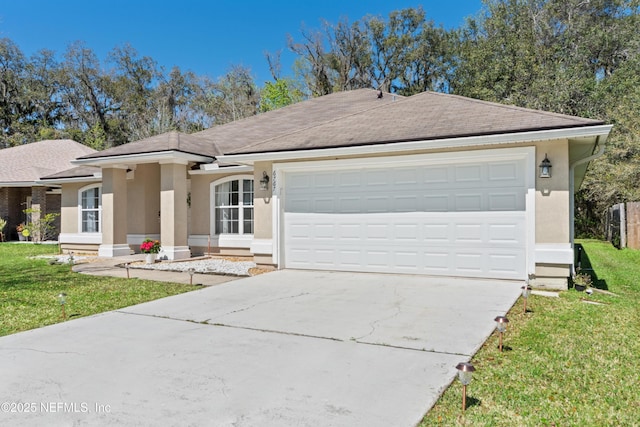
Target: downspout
(572, 204)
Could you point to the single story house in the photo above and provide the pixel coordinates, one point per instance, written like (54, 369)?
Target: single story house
(20, 188)
(431, 184)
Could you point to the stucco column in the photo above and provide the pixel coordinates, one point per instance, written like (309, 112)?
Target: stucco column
(173, 210)
(114, 213)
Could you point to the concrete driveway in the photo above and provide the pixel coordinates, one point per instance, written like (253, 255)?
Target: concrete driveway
(288, 348)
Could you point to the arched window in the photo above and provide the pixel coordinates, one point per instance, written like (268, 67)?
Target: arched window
(90, 207)
(233, 206)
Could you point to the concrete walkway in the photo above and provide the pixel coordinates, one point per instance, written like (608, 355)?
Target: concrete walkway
(303, 348)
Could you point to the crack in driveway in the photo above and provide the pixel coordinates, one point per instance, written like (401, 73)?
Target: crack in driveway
(264, 302)
(374, 324)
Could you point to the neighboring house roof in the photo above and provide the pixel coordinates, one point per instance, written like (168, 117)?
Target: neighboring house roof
(425, 116)
(252, 130)
(25, 164)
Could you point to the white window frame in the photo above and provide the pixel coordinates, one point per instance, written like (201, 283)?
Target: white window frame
(81, 210)
(239, 239)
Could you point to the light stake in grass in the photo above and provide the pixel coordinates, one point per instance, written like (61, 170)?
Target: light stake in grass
(62, 299)
(127, 267)
(526, 291)
(71, 260)
(465, 372)
(501, 326)
(191, 272)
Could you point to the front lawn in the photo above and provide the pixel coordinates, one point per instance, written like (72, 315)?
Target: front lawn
(567, 362)
(29, 288)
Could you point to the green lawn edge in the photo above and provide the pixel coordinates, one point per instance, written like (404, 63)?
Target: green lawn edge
(29, 287)
(567, 362)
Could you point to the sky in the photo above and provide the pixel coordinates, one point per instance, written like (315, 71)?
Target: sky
(206, 37)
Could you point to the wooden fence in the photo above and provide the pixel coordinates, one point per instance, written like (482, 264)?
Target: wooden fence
(623, 225)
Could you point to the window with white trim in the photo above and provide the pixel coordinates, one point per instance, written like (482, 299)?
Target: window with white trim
(234, 207)
(90, 204)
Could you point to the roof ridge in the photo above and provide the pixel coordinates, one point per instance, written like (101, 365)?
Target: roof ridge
(264, 141)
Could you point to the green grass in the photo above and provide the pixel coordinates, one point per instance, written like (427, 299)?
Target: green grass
(29, 288)
(567, 363)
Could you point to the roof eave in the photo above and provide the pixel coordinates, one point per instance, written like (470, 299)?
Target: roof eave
(20, 184)
(426, 144)
(138, 158)
(71, 180)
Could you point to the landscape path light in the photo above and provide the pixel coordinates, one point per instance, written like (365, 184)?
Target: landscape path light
(127, 265)
(62, 299)
(501, 327)
(526, 291)
(465, 372)
(191, 272)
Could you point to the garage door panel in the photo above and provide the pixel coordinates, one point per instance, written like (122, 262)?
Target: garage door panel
(461, 220)
(467, 233)
(377, 231)
(468, 175)
(436, 261)
(469, 262)
(505, 172)
(503, 201)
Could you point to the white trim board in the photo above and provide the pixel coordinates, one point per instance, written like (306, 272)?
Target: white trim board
(399, 147)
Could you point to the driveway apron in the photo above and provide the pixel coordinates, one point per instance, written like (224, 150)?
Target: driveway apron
(303, 348)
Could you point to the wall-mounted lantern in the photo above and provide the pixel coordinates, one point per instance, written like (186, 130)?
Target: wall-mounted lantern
(264, 182)
(545, 167)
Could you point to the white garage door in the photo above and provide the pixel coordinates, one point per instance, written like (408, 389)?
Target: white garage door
(464, 219)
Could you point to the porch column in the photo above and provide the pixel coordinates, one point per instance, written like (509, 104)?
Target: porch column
(114, 213)
(173, 210)
(38, 210)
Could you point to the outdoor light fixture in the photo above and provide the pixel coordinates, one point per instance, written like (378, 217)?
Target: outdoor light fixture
(191, 272)
(71, 260)
(264, 182)
(501, 327)
(465, 371)
(545, 167)
(62, 299)
(526, 291)
(127, 267)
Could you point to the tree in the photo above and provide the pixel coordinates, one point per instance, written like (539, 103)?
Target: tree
(404, 53)
(234, 96)
(567, 56)
(279, 94)
(88, 94)
(12, 70)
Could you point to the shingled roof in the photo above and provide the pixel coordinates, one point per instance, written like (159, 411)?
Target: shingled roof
(25, 164)
(252, 130)
(168, 141)
(425, 116)
(293, 118)
(352, 118)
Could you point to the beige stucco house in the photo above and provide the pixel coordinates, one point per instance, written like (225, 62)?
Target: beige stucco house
(20, 188)
(430, 184)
